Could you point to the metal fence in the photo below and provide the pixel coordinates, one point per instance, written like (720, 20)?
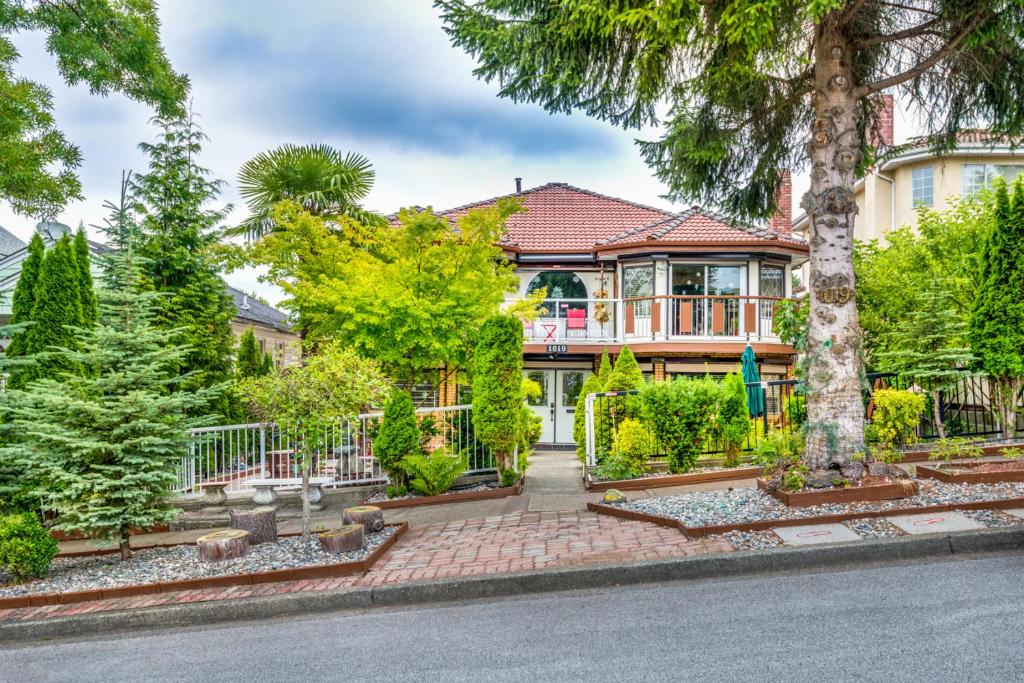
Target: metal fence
(232, 454)
(966, 410)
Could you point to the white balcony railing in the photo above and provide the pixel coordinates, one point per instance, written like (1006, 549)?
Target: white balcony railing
(655, 318)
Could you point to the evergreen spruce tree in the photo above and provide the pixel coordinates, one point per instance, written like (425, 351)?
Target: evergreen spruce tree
(398, 438)
(178, 231)
(929, 349)
(251, 362)
(21, 307)
(56, 312)
(104, 447)
(997, 321)
(86, 289)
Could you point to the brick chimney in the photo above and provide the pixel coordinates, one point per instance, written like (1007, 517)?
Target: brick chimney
(884, 135)
(782, 221)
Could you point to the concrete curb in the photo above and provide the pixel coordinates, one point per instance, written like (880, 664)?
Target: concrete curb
(852, 554)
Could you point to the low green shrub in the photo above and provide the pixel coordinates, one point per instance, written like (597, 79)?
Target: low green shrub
(508, 477)
(731, 423)
(432, 475)
(394, 491)
(794, 410)
(614, 469)
(633, 445)
(680, 415)
(949, 450)
(896, 416)
(778, 449)
(26, 547)
(795, 478)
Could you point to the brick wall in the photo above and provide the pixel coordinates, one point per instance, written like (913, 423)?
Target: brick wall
(782, 221)
(884, 135)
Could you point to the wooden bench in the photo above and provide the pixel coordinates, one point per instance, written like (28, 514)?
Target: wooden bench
(266, 489)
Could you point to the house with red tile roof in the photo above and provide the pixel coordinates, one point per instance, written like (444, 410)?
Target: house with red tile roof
(687, 291)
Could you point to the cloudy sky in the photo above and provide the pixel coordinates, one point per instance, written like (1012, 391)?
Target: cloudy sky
(379, 78)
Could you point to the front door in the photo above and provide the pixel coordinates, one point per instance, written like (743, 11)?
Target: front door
(556, 406)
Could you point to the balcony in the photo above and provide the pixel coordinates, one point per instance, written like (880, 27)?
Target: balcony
(665, 318)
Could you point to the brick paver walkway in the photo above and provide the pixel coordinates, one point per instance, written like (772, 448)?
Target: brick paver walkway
(520, 541)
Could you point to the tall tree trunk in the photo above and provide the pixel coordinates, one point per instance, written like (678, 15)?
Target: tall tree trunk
(940, 428)
(125, 546)
(833, 362)
(1004, 393)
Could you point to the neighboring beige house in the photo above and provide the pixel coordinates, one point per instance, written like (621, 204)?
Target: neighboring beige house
(888, 197)
(272, 329)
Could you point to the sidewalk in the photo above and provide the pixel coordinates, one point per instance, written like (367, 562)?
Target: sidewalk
(521, 541)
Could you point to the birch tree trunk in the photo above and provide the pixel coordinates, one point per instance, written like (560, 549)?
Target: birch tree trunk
(833, 362)
(940, 428)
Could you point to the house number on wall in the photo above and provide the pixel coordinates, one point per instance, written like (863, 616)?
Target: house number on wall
(557, 348)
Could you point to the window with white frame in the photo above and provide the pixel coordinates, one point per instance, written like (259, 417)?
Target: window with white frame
(922, 186)
(975, 177)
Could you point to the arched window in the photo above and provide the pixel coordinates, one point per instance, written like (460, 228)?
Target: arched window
(561, 285)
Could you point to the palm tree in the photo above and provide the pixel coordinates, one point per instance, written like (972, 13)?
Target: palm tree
(320, 178)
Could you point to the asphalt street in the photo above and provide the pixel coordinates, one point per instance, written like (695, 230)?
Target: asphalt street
(953, 620)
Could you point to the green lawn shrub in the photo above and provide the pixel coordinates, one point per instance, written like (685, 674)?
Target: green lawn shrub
(679, 414)
(432, 475)
(26, 547)
(896, 416)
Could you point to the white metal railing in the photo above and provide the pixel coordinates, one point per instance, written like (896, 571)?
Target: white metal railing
(655, 318)
(232, 454)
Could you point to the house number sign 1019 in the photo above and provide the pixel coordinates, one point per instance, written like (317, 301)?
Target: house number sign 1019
(557, 348)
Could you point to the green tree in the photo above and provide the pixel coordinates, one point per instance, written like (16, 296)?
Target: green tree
(56, 312)
(21, 306)
(103, 448)
(179, 231)
(731, 422)
(626, 375)
(250, 362)
(333, 384)
(579, 418)
(398, 438)
(108, 45)
(604, 369)
(996, 330)
(944, 252)
(746, 91)
(929, 348)
(319, 178)
(86, 288)
(412, 296)
(498, 387)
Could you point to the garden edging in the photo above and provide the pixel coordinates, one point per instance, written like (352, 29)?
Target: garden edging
(763, 525)
(502, 492)
(778, 560)
(642, 483)
(320, 571)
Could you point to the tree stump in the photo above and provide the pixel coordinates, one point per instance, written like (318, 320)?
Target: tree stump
(344, 539)
(226, 544)
(261, 523)
(370, 516)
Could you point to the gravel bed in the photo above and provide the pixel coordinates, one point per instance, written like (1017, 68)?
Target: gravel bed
(750, 540)
(381, 496)
(742, 505)
(180, 562)
(993, 519)
(874, 527)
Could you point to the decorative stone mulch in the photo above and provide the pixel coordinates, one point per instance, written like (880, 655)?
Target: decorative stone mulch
(994, 519)
(381, 496)
(177, 563)
(750, 540)
(742, 505)
(873, 527)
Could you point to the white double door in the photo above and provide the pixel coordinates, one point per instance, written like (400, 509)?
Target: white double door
(556, 406)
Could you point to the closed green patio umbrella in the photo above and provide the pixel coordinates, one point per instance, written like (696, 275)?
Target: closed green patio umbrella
(755, 397)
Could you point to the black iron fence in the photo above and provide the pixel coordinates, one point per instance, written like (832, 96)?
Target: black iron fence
(966, 410)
